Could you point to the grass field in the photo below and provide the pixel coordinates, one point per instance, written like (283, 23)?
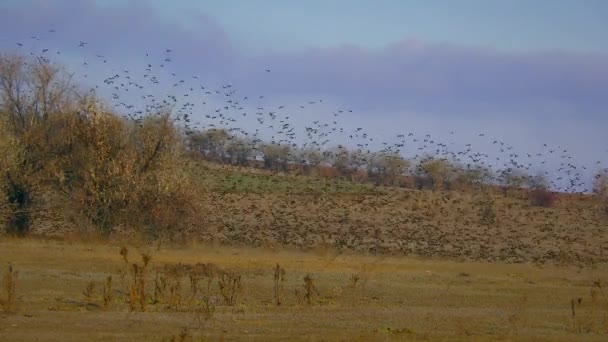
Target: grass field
(393, 298)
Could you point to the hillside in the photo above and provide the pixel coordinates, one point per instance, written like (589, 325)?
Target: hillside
(252, 207)
(305, 212)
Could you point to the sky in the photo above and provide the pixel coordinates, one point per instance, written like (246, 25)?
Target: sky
(514, 25)
(528, 73)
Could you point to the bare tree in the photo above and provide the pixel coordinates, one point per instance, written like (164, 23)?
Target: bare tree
(211, 143)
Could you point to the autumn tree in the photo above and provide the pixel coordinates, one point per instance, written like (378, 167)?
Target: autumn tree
(474, 177)
(314, 157)
(341, 160)
(276, 157)
(435, 171)
(31, 91)
(387, 167)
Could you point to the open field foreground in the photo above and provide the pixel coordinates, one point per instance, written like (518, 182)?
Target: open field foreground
(61, 292)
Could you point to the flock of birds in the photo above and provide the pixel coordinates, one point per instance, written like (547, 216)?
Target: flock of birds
(154, 86)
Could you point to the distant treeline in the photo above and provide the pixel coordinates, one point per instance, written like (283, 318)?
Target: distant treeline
(382, 168)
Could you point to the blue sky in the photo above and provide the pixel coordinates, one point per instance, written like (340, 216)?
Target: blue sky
(521, 25)
(510, 25)
(527, 72)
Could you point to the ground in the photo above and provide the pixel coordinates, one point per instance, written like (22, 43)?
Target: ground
(394, 298)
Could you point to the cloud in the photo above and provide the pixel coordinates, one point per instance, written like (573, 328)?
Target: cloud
(444, 78)
(410, 74)
(129, 30)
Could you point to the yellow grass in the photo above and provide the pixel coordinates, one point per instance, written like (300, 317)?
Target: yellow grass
(395, 298)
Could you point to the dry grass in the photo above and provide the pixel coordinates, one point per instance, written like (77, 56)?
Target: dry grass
(352, 297)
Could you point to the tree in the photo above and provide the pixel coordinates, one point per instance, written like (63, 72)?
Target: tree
(472, 176)
(540, 194)
(211, 143)
(341, 160)
(276, 157)
(436, 171)
(600, 189)
(31, 91)
(387, 167)
(600, 184)
(239, 151)
(513, 179)
(395, 166)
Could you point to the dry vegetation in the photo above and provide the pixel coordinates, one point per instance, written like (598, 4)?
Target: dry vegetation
(203, 292)
(221, 246)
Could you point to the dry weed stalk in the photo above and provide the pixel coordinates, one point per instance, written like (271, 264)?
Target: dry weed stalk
(168, 286)
(206, 311)
(182, 336)
(354, 279)
(573, 305)
(598, 284)
(357, 282)
(89, 291)
(9, 284)
(124, 252)
(194, 288)
(137, 288)
(175, 293)
(310, 290)
(107, 292)
(279, 279)
(230, 287)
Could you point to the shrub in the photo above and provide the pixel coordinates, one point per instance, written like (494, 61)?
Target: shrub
(542, 197)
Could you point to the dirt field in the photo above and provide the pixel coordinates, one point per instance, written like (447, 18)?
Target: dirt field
(352, 296)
